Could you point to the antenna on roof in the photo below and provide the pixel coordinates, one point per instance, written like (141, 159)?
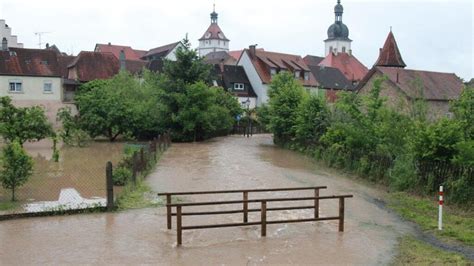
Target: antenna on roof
(39, 34)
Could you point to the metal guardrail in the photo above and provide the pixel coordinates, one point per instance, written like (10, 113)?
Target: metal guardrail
(245, 210)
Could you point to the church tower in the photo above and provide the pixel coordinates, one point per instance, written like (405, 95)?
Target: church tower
(338, 34)
(213, 39)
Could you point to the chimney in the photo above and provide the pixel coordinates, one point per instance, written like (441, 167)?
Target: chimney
(47, 45)
(109, 43)
(253, 50)
(122, 61)
(4, 44)
(380, 51)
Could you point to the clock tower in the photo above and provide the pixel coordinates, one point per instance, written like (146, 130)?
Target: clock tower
(213, 39)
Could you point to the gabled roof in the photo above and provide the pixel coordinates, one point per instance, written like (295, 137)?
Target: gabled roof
(214, 32)
(434, 86)
(348, 64)
(130, 54)
(227, 75)
(161, 51)
(312, 60)
(330, 78)
(264, 61)
(64, 62)
(219, 57)
(390, 55)
(95, 65)
(29, 62)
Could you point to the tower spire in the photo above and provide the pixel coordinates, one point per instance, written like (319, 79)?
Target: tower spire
(338, 10)
(214, 15)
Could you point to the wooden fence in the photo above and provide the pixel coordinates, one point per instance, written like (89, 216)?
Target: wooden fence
(245, 210)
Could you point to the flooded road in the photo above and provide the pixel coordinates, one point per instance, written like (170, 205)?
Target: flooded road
(140, 236)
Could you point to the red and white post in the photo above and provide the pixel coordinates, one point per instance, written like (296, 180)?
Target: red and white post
(440, 211)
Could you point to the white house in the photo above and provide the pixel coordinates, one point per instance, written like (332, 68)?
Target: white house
(6, 32)
(32, 77)
(260, 66)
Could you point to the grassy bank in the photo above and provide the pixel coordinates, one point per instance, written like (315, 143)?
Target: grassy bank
(415, 252)
(458, 225)
(136, 196)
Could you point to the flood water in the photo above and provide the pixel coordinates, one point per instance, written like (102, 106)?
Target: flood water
(80, 172)
(140, 236)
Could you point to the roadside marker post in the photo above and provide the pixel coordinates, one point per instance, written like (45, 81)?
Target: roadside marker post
(440, 210)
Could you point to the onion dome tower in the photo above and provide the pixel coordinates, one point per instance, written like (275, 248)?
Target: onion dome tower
(213, 40)
(338, 34)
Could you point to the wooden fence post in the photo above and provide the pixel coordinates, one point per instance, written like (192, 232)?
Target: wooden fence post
(178, 225)
(341, 214)
(134, 168)
(110, 186)
(316, 203)
(263, 214)
(246, 206)
(168, 211)
(142, 159)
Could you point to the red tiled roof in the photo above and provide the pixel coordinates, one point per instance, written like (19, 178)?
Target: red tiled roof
(94, 65)
(435, 86)
(214, 32)
(352, 68)
(162, 50)
(64, 62)
(390, 55)
(264, 61)
(29, 62)
(130, 54)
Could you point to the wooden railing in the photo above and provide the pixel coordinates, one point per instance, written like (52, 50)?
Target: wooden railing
(245, 210)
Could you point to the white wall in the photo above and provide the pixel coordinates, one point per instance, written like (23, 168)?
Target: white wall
(337, 44)
(172, 55)
(7, 33)
(32, 88)
(209, 46)
(259, 88)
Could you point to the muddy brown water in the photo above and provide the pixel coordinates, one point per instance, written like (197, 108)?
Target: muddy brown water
(140, 236)
(82, 169)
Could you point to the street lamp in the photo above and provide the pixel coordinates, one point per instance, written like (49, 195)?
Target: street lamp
(247, 103)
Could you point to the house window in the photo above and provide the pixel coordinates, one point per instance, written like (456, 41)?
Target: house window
(273, 71)
(239, 86)
(47, 87)
(343, 49)
(16, 86)
(297, 74)
(306, 75)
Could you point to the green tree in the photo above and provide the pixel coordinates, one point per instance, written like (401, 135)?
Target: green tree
(286, 94)
(17, 167)
(108, 110)
(312, 121)
(23, 123)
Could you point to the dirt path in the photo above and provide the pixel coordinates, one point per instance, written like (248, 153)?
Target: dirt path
(224, 163)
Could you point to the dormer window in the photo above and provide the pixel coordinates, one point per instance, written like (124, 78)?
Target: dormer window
(297, 74)
(306, 75)
(239, 86)
(273, 71)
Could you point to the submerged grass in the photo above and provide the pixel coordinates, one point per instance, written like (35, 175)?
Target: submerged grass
(458, 225)
(415, 252)
(9, 205)
(135, 197)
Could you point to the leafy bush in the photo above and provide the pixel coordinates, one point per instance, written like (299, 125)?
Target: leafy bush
(121, 175)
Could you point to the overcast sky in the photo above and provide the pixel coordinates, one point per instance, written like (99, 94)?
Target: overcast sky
(432, 35)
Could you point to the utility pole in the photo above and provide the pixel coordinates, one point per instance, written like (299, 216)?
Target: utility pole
(39, 34)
